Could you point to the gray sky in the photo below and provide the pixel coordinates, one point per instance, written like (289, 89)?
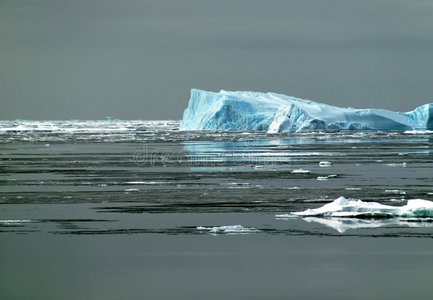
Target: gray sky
(138, 59)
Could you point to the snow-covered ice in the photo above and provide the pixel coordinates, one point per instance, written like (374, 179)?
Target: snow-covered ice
(325, 164)
(343, 214)
(253, 111)
(345, 208)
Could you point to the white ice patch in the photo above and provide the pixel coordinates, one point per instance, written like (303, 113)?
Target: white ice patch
(300, 171)
(396, 192)
(146, 182)
(345, 208)
(324, 178)
(229, 229)
(393, 165)
(12, 222)
(325, 164)
(419, 132)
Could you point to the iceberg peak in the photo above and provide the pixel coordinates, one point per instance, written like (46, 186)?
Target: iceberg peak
(273, 113)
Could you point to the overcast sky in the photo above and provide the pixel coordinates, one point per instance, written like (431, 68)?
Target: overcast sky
(138, 59)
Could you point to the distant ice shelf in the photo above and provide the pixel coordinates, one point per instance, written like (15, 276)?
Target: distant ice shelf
(273, 113)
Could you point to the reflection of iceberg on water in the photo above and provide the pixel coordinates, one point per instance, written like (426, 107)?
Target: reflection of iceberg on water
(251, 111)
(344, 224)
(343, 214)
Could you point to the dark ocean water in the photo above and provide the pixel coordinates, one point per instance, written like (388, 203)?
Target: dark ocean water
(140, 210)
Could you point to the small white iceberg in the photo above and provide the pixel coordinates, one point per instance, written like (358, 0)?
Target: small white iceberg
(343, 214)
(345, 208)
(325, 164)
(229, 229)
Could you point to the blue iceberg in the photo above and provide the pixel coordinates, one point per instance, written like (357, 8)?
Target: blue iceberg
(273, 113)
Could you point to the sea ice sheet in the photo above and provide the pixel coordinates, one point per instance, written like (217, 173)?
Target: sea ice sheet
(252, 111)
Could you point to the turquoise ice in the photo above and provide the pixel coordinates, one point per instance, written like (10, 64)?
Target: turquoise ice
(253, 111)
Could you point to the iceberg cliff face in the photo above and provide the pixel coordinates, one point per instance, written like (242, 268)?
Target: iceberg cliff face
(251, 111)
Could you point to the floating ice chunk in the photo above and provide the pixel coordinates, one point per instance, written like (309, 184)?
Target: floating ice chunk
(250, 111)
(324, 178)
(146, 182)
(12, 222)
(419, 132)
(325, 164)
(396, 192)
(229, 229)
(300, 171)
(393, 165)
(344, 208)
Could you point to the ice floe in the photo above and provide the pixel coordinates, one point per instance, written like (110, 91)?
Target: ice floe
(300, 171)
(325, 164)
(343, 214)
(229, 229)
(345, 208)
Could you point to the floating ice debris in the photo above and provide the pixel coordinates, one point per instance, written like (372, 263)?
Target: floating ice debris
(344, 208)
(325, 164)
(393, 165)
(251, 111)
(229, 229)
(49, 133)
(396, 192)
(324, 178)
(12, 222)
(145, 182)
(300, 171)
(419, 132)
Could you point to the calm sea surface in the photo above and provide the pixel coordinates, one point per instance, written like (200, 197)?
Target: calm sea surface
(140, 210)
